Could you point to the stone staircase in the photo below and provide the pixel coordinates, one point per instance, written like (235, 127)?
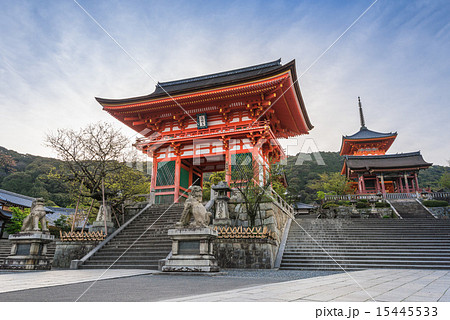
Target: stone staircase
(410, 209)
(5, 249)
(148, 250)
(367, 243)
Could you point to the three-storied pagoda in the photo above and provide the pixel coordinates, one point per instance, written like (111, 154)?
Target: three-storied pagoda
(371, 170)
(209, 123)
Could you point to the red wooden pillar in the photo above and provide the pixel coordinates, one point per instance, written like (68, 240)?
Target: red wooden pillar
(359, 185)
(377, 184)
(154, 173)
(401, 185)
(177, 178)
(417, 181)
(406, 183)
(383, 188)
(255, 162)
(363, 184)
(226, 146)
(191, 175)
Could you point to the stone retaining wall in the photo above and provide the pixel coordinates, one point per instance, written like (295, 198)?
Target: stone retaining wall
(271, 216)
(66, 251)
(245, 253)
(344, 212)
(440, 212)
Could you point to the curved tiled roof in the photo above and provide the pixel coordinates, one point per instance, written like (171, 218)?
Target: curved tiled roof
(400, 160)
(202, 82)
(365, 133)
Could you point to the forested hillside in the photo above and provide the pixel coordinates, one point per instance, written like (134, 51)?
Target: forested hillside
(32, 175)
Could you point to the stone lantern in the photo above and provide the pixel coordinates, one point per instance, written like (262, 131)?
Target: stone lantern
(222, 215)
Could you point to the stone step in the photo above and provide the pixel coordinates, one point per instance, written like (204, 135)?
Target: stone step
(137, 255)
(319, 257)
(367, 243)
(400, 251)
(142, 243)
(355, 267)
(127, 261)
(356, 262)
(152, 266)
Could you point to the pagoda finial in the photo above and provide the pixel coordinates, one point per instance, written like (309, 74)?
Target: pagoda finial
(361, 115)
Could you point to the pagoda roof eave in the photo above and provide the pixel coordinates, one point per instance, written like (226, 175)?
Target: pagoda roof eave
(399, 161)
(347, 141)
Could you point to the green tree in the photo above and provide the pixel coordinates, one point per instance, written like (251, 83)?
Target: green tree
(90, 154)
(445, 181)
(125, 183)
(62, 223)
(15, 224)
(213, 179)
(7, 163)
(253, 192)
(331, 182)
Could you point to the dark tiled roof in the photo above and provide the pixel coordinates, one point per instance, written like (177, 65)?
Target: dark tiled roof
(18, 199)
(301, 205)
(215, 78)
(15, 198)
(6, 214)
(365, 133)
(57, 212)
(400, 160)
(207, 81)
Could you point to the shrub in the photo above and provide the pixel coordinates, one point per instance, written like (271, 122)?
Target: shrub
(344, 203)
(363, 200)
(382, 205)
(54, 231)
(17, 218)
(435, 203)
(387, 216)
(362, 204)
(329, 205)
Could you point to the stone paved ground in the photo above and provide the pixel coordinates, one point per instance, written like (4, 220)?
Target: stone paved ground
(239, 285)
(48, 286)
(380, 285)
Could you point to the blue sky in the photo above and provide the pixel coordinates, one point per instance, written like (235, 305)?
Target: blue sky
(54, 60)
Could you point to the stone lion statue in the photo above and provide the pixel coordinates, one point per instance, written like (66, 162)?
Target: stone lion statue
(193, 207)
(37, 214)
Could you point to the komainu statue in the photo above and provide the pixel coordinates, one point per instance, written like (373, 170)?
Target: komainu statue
(37, 214)
(193, 207)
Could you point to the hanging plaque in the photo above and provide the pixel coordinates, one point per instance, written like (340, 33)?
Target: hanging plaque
(202, 121)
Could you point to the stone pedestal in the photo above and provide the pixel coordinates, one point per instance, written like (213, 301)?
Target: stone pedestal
(29, 251)
(192, 251)
(100, 226)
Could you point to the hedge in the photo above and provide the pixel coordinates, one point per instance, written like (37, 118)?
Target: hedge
(435, 203)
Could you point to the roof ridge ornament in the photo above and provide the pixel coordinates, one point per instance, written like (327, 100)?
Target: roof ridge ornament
(361, 115)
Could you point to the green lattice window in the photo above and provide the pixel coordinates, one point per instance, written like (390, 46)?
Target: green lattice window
(164, 199)
(166, 173)
(165, 190)
(240, 162)
(184, 178)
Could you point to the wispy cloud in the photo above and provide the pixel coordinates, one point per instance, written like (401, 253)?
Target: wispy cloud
(54, 61)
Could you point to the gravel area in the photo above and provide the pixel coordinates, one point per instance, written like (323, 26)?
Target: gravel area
(281, 275)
